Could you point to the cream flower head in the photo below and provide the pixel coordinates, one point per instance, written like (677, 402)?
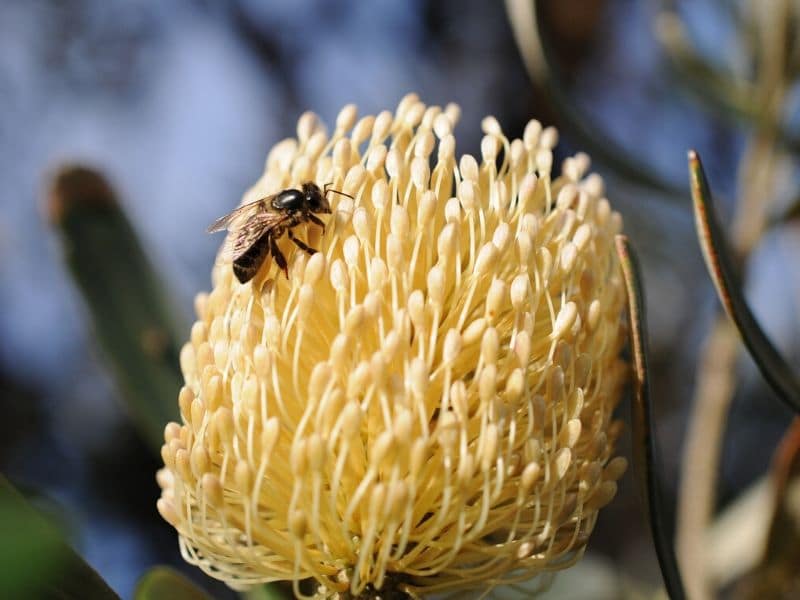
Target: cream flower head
(426, 403)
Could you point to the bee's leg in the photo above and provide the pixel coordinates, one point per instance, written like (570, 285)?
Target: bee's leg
(278, 256)
(317, 221)
(300, 243)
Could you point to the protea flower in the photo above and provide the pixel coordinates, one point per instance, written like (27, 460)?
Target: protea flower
(425, 404)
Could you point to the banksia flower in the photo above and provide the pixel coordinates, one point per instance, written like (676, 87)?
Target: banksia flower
(423, 405)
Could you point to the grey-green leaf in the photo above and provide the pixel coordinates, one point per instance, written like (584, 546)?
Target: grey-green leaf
(644, 442)
(134, 324)
(720, 263)
(35, 562)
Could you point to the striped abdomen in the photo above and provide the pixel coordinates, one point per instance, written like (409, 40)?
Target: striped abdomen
(246, 265)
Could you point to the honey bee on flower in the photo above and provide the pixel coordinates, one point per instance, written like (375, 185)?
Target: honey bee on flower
(255, 228)
(424, 404)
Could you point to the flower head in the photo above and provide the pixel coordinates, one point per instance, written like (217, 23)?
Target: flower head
(424, 403)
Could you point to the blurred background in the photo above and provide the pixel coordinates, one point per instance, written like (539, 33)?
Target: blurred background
(178, 103)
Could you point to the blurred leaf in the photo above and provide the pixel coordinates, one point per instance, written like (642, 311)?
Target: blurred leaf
(591, 578)
(525, 18)
(35, 562)
(719, 89)
(738, 535)
(163, 583)
(134, 324)
(720, 266)
(778, 575)
(792, 213)
(268, 591)
(727, 95)
(644, 442)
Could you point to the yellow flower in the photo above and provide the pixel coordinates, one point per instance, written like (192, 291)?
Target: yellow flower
(425, 404)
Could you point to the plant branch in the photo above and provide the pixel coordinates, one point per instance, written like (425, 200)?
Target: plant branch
(525, 19)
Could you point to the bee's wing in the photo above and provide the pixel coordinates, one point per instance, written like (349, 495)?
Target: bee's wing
(241, 214)
(241, 238)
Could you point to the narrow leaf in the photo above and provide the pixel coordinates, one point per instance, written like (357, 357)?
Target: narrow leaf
(644, 442)
(134, 324)
(164, 583)
(720, 266)
(35, 562)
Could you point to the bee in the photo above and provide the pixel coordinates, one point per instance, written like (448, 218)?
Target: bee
(255, 228)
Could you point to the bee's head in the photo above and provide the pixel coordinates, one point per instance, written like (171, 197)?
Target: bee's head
(317, 202)
(324, 196)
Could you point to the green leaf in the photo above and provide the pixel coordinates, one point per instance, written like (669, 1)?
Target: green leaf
(269, 591)
(133, 322)
(644, 442)
(35, 562)
(163, 583)
(719, 261)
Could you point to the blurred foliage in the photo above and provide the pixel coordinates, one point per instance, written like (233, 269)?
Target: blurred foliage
(273, 591)
(527, 17)
(132, 319)
(36, 562)
(163, 583)
(777, 574)
(734, 95)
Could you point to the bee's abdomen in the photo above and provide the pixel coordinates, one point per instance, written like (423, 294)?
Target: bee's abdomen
(247, 264)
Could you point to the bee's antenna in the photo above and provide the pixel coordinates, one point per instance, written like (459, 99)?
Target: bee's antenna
(326, 190)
